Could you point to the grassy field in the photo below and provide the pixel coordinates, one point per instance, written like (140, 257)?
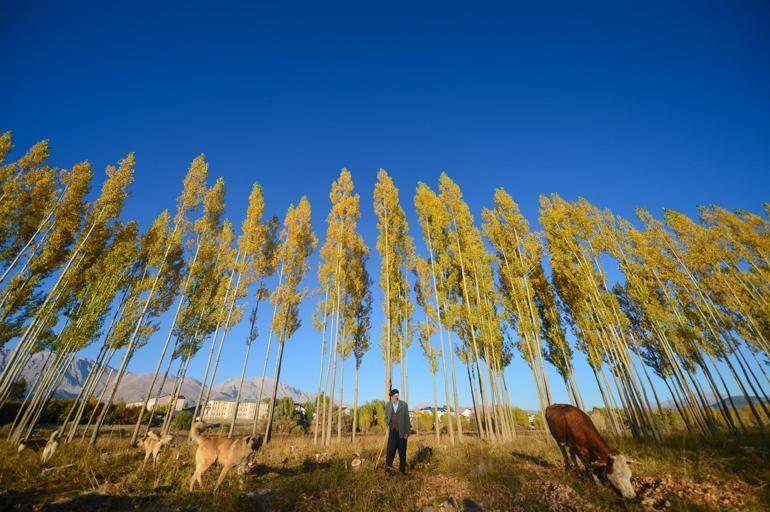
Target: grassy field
(730, 473)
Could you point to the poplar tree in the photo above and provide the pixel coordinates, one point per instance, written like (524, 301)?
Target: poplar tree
(103, 281)
(43, 253)
(427, 329)
(577, 238)
(221, 308)
(198, 234)
(435, 227)
(164, 263)
(339, 271)
(518, 254)
(558, 351)
(258, 243)
(297, 243)
(98, 227)
(359, 315)
(396, 250)
(465, 245)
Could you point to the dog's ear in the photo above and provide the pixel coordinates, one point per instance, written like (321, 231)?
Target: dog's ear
(152, 435)
(256, 442)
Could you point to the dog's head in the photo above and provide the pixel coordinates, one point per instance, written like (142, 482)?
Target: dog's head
(254, 443)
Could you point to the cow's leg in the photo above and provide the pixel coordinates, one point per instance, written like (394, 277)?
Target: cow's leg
(590, 470)
(573, 454)
(564, 455)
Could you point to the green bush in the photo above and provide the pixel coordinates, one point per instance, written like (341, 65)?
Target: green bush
(183, 420)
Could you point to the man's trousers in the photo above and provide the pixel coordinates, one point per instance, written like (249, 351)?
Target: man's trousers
(396, 442)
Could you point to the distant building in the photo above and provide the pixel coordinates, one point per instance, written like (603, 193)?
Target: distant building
(466, 412)
(181, 403)
(440, 411)
(223, 409)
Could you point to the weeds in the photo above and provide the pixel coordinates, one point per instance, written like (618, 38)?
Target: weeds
(726, 473)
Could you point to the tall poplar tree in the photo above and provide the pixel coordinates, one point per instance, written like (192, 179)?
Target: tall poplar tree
(297, 243)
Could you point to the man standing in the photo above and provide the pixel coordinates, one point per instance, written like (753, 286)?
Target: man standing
(399, 426)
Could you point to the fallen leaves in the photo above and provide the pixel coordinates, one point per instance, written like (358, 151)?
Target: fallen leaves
(655, 492)
(441, 488)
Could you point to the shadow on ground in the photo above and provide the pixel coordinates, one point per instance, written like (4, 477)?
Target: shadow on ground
(532, 459)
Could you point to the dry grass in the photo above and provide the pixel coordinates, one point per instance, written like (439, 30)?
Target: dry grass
(293, 474)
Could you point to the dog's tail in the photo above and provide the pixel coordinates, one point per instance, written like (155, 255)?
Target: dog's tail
(195, 431)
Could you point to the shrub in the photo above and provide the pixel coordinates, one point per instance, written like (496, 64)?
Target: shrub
(183, 420)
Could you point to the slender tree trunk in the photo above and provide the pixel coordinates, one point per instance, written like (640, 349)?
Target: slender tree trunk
(458, 419)
(321, 372)
(334, 367)
(224, 333)
(479, 429)
(238, 395)
(389, 361)
(249, 342)
(165, 345)
(355, 403)
(159, 394)
(96, 405)
(175, 397)
(267, 357)
(268, 430)
(435, 412)
(339, 409)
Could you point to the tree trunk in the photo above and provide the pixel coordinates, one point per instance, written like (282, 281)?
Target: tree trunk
(355, 403)
(271, 411)
(321, 372)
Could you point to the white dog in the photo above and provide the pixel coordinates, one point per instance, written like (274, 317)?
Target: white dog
(51, 446)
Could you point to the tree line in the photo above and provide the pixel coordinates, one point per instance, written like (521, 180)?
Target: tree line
(691, 308)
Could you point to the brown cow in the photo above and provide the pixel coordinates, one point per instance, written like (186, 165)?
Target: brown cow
(572, 428)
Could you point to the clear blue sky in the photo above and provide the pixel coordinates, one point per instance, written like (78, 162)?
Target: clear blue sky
(626, 103)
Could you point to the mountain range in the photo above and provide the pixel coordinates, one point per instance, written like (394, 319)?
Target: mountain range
(133, 386)
(739, 401)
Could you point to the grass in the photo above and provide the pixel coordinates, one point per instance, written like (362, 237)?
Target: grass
(527, 474)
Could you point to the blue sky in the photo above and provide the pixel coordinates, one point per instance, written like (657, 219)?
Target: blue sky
(625, 103)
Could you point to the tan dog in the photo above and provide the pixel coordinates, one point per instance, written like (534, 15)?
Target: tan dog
(153, 444)
(228, 452)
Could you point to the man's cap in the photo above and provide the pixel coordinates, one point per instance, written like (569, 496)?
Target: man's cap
(393, 391)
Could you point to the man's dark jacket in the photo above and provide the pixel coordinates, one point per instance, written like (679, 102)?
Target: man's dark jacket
(403, 424)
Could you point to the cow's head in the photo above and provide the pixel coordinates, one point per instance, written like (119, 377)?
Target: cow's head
(619, 475)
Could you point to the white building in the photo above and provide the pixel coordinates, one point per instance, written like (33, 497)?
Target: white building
(181, 403)
(223, 409)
